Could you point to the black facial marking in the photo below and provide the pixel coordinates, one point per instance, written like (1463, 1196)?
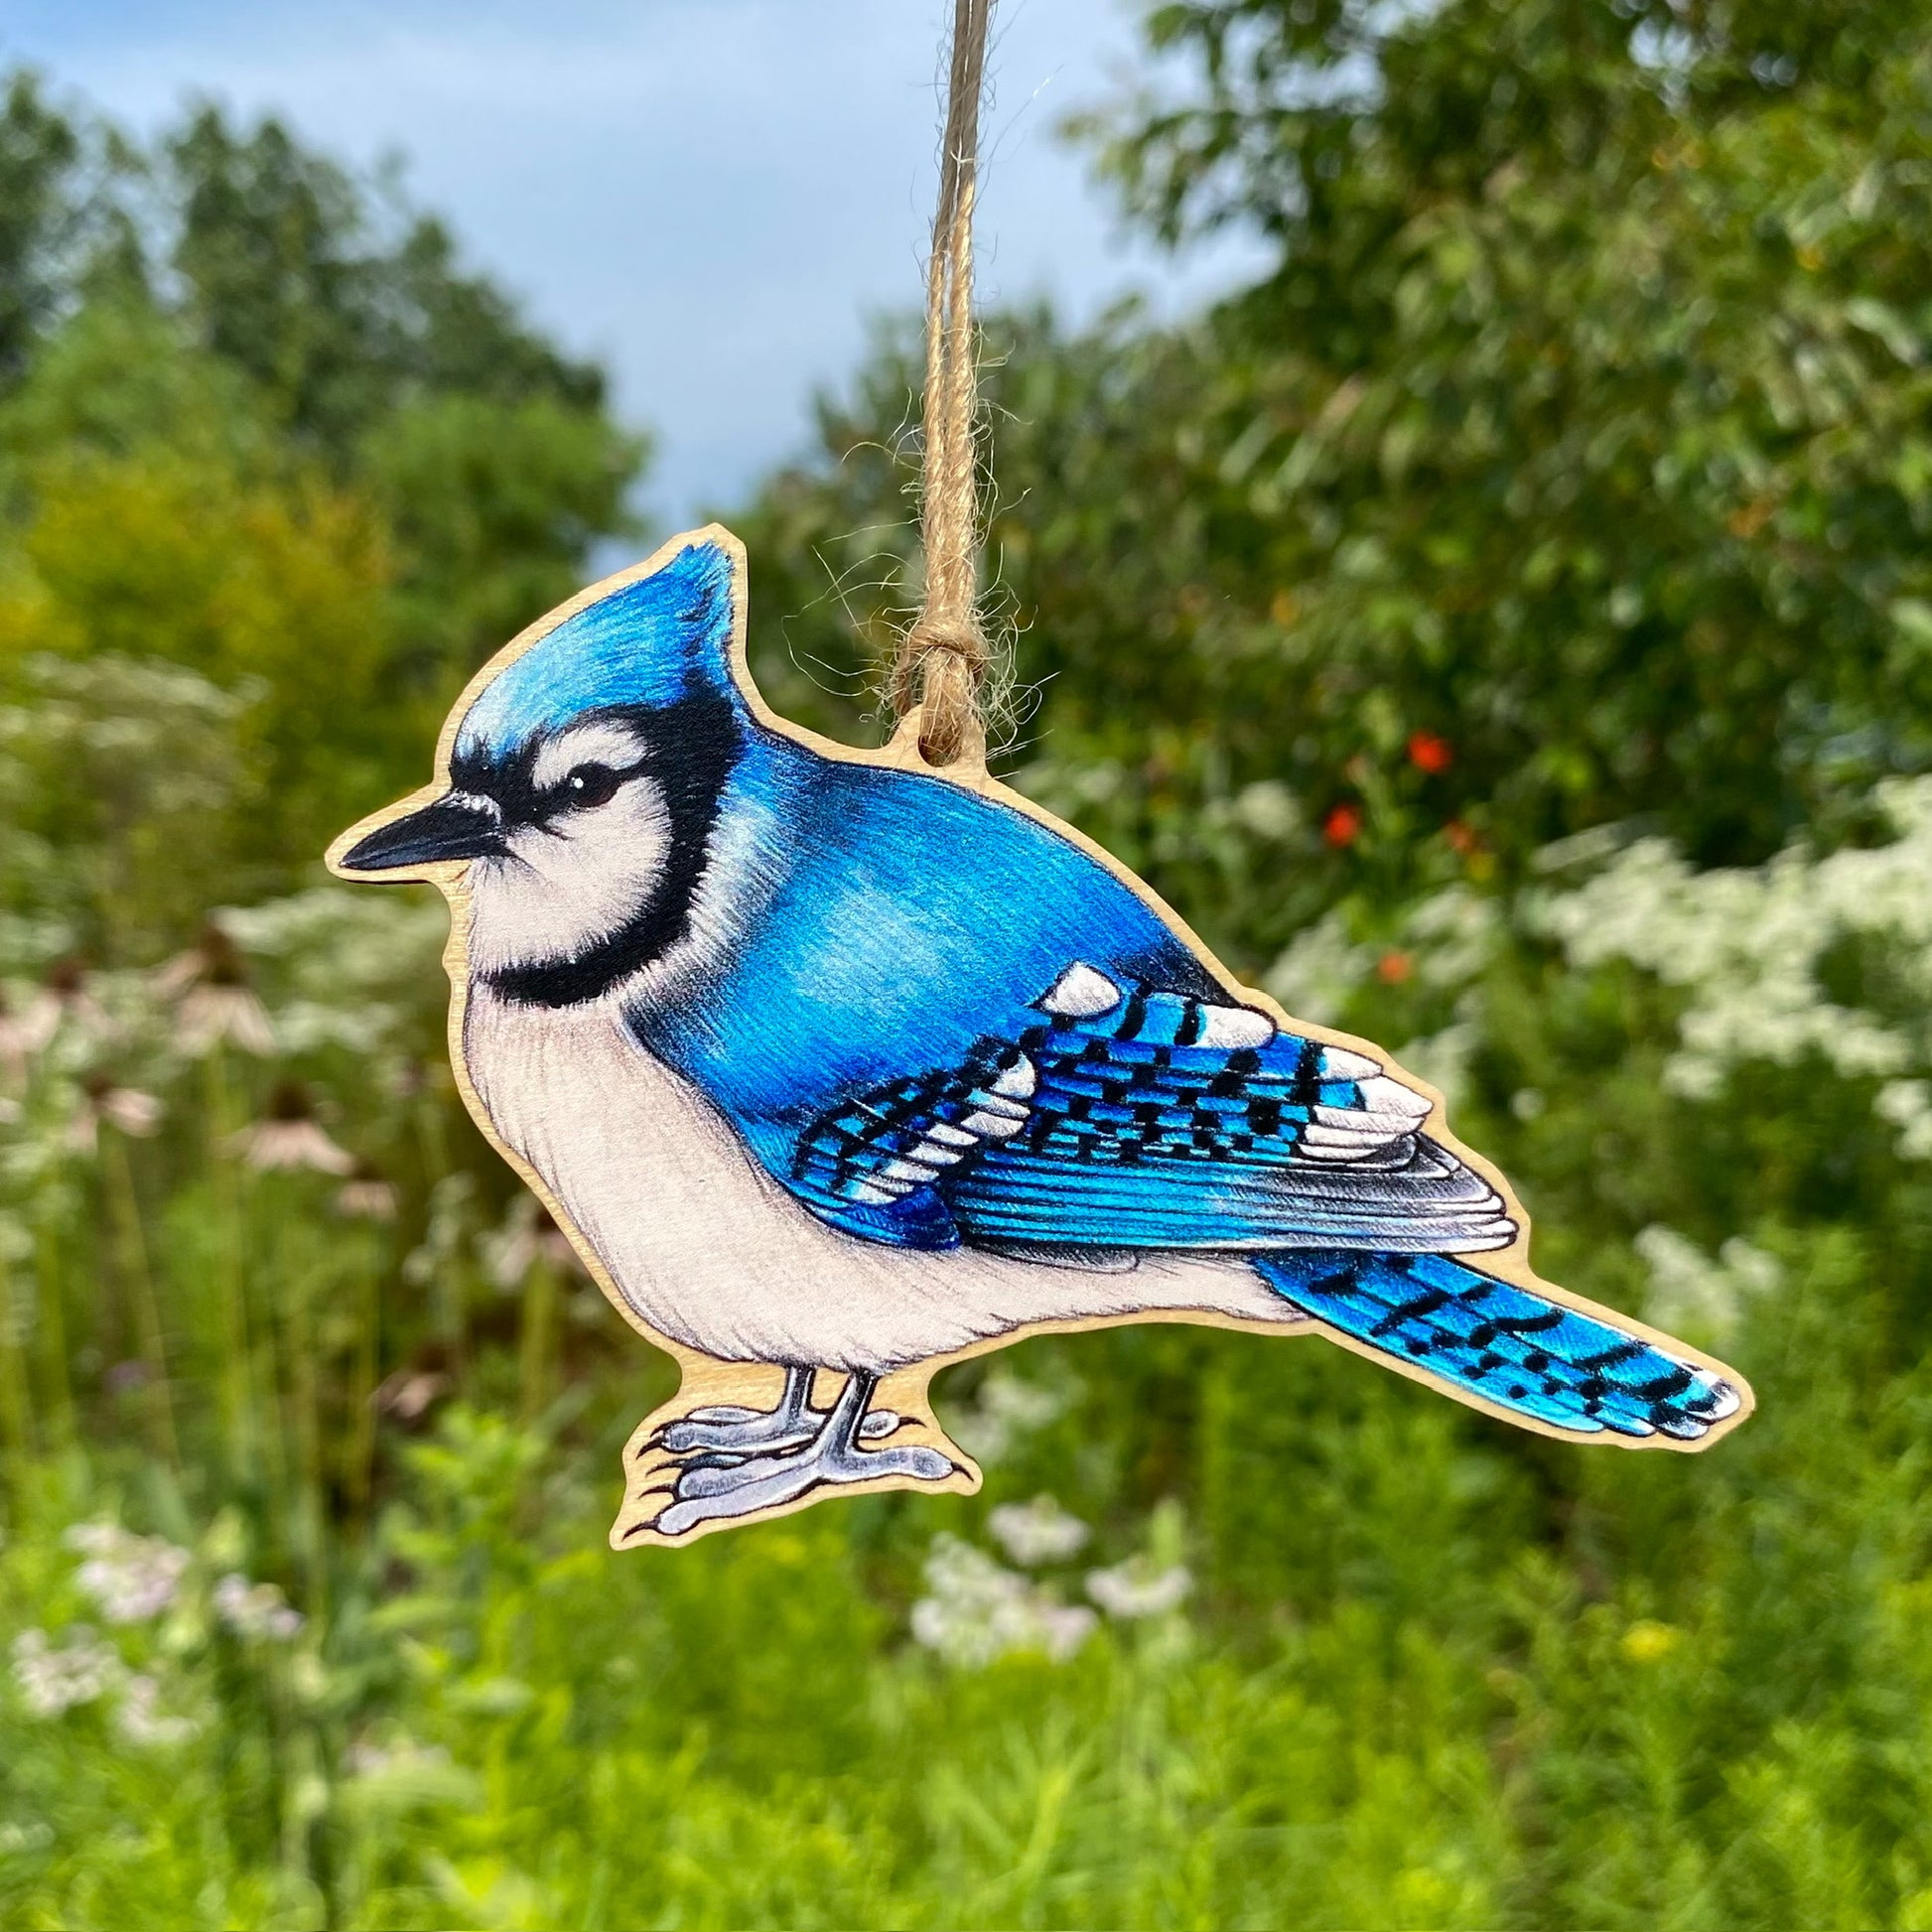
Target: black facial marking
(689, 750)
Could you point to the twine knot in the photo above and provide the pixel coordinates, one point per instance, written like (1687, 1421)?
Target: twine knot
(965, 642)
(940, 669)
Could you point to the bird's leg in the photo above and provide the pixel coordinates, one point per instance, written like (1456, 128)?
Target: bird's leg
(726, 1429)
(713, 1489)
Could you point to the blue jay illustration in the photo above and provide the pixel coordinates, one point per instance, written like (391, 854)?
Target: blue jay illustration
(846, 1068)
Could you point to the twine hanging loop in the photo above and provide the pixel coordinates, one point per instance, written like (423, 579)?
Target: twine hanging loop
(943, 658)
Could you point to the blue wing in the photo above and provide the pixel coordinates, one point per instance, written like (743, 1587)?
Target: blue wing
(1129, 1118)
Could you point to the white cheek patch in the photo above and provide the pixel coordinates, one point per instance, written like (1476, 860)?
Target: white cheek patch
(567, 888)
(602, 742)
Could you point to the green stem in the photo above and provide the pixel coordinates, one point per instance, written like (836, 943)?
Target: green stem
(237, 1400)
(539, 1320)
(368, 1362)
(16, 1394)
(451, 1304)
(307, 1434)
(119, 1174)
(54, 1327)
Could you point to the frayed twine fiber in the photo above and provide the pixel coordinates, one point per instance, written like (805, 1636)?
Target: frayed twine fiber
(943, 658)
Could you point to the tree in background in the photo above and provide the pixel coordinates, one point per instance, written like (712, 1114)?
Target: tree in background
(1571, 465)
(256, 420)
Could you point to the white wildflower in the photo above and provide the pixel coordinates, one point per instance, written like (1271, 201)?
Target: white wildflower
(1319, 973)
(131, 1577)
(1907, 1105)
(367, 1758)
(1136, 1588)
(1749, 947)
(1586, 848)
(1004, 1409)
(1444, 1058)
(255, 1610)
(1453, 935)
(975, 1611)
(399, 1775)
(1037, 1532)
(353, 964)
(139, 1717)
(1695, 1296)
(51, 1680)
(1266, 809)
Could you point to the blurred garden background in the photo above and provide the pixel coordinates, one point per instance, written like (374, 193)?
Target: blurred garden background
(1503, 628)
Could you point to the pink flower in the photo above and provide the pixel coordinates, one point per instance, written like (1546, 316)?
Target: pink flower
(289, 1137)
(214, 1000)
(365, 1196)
(529, 1235)
(126, 1109)
(408, 1393)
(17, 1040)
(63, 999)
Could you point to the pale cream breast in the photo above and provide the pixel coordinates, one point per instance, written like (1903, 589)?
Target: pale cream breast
(711, 1252)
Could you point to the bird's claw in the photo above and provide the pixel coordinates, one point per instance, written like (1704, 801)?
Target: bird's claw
(712, 1487)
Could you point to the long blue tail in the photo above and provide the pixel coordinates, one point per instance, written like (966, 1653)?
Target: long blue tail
(1533, 1356)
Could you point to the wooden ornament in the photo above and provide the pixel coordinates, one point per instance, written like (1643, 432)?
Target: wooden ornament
(837, 1068)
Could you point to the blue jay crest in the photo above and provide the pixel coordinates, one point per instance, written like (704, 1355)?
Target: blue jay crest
(836, 1069)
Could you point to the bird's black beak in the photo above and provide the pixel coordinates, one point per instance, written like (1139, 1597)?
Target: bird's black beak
(453, 827)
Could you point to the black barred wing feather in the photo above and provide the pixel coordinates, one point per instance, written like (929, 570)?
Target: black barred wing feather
(1513, 1347)
(880, 1165)
(1127, 1118)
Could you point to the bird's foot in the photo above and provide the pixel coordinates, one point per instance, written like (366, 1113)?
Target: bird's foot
(725, 1429)
(713, 1486)
(707, 1490)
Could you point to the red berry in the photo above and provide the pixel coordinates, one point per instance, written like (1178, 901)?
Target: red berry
(1427, 753)
(1344, 825)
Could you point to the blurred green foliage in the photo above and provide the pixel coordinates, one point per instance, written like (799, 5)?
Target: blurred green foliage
(272, 431)
(1582, 428)
(1565, 482)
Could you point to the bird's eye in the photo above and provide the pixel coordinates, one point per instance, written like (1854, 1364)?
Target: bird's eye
(592, 785)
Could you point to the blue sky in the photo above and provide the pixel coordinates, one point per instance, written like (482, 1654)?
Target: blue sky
(711, 194)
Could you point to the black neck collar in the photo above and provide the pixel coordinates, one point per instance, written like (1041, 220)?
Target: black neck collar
(694, 744)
